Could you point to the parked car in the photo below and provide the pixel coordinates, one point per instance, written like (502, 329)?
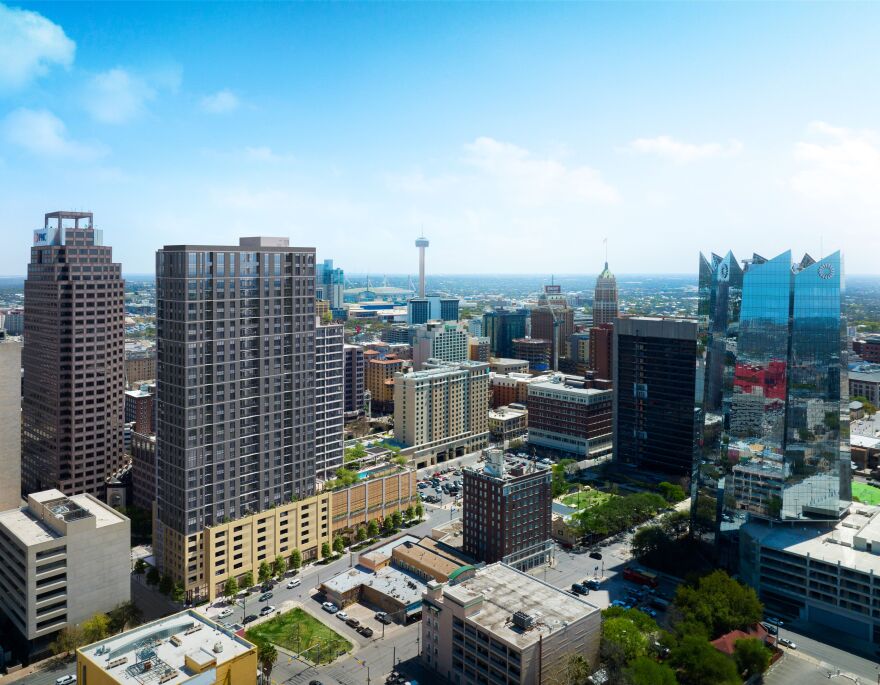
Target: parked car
(266, 610)
(382, 617)
(579, 589)
(330, 607)
(294, 583)
(266, 596)
(250, 617)
(65, 679)
(595, 555)
(770, 628)
(341, 615)
(265, 587)
(352, 622)
(366, 631)
(785, 642)
(226, 612)
(592, 583)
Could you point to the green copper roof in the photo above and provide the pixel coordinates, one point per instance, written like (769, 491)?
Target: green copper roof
(606, 273)
(457, 572)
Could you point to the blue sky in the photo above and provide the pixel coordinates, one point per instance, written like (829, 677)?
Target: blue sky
(518, 135)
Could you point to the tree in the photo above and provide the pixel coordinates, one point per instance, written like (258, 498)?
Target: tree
(267, 656)
(559, 482)
(279, 568)
(676, 523)
(325, 550)
(373, 528)
(751, 656)
(671, 493)
(622, 641)
(246, 582)
(409, 513)
(69, 639)
(295, 560)
(178, 593)
(153, 576)
(399, 459)
(388, 525)
(125, 614)
(355, 453)
(648, 540)
(95, 628)
(645, 671)
(361, 534)
(230, 587)
(140, 567)
(396, 519)
(264, 572)
(338, 544)
(577, 669)
(166, 585)
(719, 603)
(419, 509)
(700, 663)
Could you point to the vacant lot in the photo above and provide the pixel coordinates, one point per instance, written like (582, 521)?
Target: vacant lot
(588, 497)
(865, 493)
(297, 631)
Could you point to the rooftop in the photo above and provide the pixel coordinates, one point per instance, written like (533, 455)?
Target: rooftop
(32, 524)
(505, 591)
(404, 587)
(169, 651)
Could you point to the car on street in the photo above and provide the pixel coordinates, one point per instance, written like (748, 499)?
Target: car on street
(592, 583)
(266, 596)
(579, 589)
(249, 618)
(382, 617)
(315, 682)
(341, 615)
(226, 612)
(266, 610)
(595, 555)
(65, 679)
(330, 607)
(294, 583)
(352, 622)
(785, 642)
(366, 631)
(770, 628)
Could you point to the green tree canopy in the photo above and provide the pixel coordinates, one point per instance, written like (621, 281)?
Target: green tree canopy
(751, 656)
(178, 593)
(325, 550)
(295, 560)
(230, 587)
(719, 603)
(140, 567)
(68, 639)
(671, 493)
(396, 519)
(361, 534)
(264, 572)
(354, 453)
(373, 528)
(645, 671)
(125, 614)
(279, 567)
(247, 581)
(622, 641)
(338, 544)
(648, 539)
(699, 663)
(577, 669)
(95, 628)
(419, 510)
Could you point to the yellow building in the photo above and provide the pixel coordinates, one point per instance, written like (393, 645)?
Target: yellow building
(380, 379)
(178, 649)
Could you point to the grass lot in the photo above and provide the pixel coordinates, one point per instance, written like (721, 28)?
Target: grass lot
(865, 493)
(588, 497)
(297, 631)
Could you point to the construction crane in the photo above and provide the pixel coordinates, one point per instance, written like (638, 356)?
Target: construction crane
(554, 352)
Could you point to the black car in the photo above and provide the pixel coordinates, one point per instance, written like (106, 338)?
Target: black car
(579, 589)
(595, 555)
(352, 622)
(366, 631)
(249, 618)
(266, 596)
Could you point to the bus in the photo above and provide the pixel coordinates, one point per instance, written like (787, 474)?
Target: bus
(640, 577)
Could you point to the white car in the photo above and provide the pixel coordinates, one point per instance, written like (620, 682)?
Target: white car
(226, 612)
(341, 615)
(266, 610)
(294, 583)
(785, 642)
(68, 679)
(330, 607)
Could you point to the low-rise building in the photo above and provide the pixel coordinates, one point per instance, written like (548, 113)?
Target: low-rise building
(868, 348)
(182, 649)
(508, 423)
(506, 365)
(567, 414)
(139, 408)
(499, 625)
(513, 388)
(864, 452)
(62, 559)
(864, 381)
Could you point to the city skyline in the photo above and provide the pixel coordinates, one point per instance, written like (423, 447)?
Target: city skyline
(332, 129)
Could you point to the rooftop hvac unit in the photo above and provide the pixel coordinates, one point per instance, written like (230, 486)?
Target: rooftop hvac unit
(522, 620)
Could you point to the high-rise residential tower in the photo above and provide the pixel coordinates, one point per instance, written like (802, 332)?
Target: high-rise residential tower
(354, 378)
(605, 308)
(329, 400)
(73, 358)
(776, 375)
(236, 390)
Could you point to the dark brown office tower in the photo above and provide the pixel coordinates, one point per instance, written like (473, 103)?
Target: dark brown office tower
(235, 421)
(72, 395)
(507, 513)
(602, 350)
(542, 325)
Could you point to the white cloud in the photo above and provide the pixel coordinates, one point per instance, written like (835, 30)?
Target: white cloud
(844, 165)
(42, 133)
(680, 152)
(117, 96)
(264, 153)
(220, 102)
(29, 45)
(536, 181)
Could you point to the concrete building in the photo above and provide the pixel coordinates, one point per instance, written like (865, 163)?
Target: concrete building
(864, 381)
(502, 326)
(236, 390)
(512, 388)
(10, 422)
(329, 400)
(605, 308)
(536, 351)
(181, 649)
(826, 574)
(13, 322)
(329, 284)
(579, 344)
(143, 470)
(140, 366)
(62, 559)
(139, 409)
(504, 626)
(656, 420)
(508, 423)
(507, 365)
(438, 340)
(354, 380)
(602, 350)
(380, 381)
(72, 395)
(421, 310)
(868, 348)
(442, 410)
(479, 349)
(507, 513)
(553, 322)
(475, 327)
(567, 414)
